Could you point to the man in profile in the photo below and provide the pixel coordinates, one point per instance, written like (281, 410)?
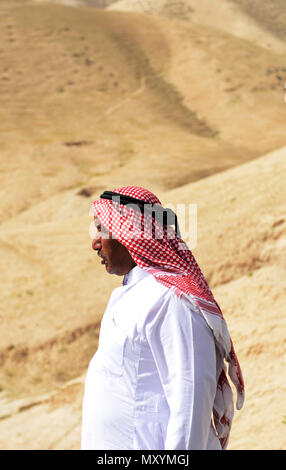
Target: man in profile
(158, 379)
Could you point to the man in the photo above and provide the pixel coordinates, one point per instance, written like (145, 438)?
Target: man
(158, 379)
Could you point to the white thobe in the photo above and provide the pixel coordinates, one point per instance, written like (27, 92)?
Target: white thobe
(152, 382)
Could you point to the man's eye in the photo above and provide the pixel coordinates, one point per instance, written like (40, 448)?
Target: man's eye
(100, 228)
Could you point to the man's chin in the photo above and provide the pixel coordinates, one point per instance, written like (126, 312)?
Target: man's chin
(108, 268)
(111, 270)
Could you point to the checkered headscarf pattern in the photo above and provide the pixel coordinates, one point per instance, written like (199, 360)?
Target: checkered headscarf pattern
(170, 261)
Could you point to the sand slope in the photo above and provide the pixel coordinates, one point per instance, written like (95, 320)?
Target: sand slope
(121, 93)
(229, 16)
(241, 245)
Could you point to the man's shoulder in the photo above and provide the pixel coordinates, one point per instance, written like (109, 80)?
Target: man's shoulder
(152, 294)
(155, 293)
(152, 285)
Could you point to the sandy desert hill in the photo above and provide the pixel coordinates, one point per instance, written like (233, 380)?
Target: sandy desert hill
(110, 84)
(260, 21)
(95, 98)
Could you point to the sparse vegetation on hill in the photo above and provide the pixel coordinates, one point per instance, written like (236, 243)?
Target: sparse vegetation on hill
(271, 14)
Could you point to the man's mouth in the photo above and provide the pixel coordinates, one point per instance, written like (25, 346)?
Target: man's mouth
(103, 261)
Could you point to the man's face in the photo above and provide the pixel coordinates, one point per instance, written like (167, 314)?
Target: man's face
(115, 256)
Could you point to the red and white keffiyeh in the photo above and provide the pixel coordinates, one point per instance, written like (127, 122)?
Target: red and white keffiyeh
(169, 260)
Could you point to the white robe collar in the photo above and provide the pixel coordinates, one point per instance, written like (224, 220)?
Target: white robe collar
(135, 275)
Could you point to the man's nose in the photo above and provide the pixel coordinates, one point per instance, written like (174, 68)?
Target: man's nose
(96, 243)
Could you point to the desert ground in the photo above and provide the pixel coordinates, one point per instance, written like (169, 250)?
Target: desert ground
(184, 98)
